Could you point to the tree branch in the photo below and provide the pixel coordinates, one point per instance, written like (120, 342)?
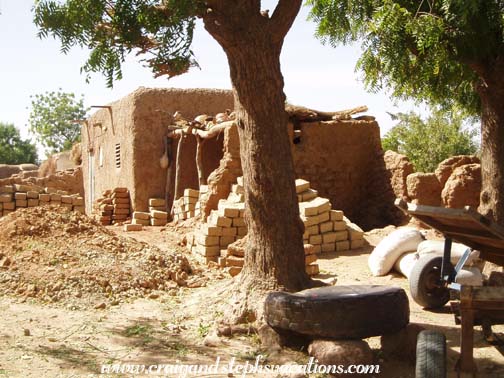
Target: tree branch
(283, 17)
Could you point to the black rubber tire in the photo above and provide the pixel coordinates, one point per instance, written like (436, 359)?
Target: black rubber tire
(424, 283)
(339, 312)
(430, 355)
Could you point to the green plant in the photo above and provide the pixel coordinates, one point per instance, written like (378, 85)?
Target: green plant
(13, 149)
(203, 329)
(141, 331)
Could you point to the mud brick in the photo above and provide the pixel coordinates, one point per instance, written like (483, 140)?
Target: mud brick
(155, 202)
(315, 239)
(44, 197)
(326, 227)
(157, 222)
(191, 193)
(239, 222)
(206, 240)
(6, 189)
(122, 206)
(324, 217)
(225, 210)
(203, 188)
(21, 203)
(78, 201)
(216, 220)
(310, 221)
(116, 201)
(328, 247)
(309, 195)
(313, 230)
(309, 249)
(329, 237)
(107, 201)
(159, 214)
(207, 251)
(341, 235)
(321, 204)
(356, 243)
(105, 218)
(132, 227)
(302, 186)
(239, 180)
(22, 188)
(224, 241)
(1, 208)
(120, 195)
(207, 229)
(309, 259)
(237, 189)
(141, 215)
(9, 205)
(317, 248)
(191, 214)
(189, 207)
(354, 232)
(339, 226)
(5, 197)
(105, 213)
(80, 209)
(312, 269)
(234, 270)
(342, 245)
(221, 261)
(229, 231)
(234, 261)
(20, 196)
(66, 199)
(336, 215)
(121, 211)
(190, 200)
(107, 207)
(242, 231)
(143, 222)
(67, 205)
(55, 197)
(120, 190)
(32, 194)
(50, 190)
(157, 208)
(306, 210)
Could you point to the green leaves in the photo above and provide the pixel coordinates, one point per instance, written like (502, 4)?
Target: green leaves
(13, 149)
(160, 29)
(422, 50)
(428, 142)
(53, 119)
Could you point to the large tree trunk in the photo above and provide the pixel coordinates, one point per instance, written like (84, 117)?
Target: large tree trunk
(274, 257)
(492, 141)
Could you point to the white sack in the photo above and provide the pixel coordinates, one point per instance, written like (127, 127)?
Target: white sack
(405, 263)
(470, 277)
(436, 247)
(387, 252)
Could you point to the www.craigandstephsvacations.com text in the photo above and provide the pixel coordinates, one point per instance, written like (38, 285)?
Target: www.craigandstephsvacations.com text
(236, 369)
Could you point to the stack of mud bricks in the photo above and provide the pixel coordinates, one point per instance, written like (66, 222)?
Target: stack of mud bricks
(157, 212)
(114, 206)
(16, 196)
(326, 229)
(224, 226)
(185, 206)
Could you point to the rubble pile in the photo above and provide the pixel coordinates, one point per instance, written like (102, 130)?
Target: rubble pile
(113, 206)
(18, 196)
(64, 256)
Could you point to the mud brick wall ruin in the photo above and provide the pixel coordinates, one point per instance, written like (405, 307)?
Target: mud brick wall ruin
(138, 124)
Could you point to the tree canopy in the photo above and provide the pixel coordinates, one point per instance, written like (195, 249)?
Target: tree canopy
(427, 142)
(13, 149)
(427, 50)
(52, 119)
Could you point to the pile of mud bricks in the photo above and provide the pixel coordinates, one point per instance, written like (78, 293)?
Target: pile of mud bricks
(113, 206)
(16, 196)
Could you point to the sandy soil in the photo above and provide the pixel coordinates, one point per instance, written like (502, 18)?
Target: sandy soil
(63, 340)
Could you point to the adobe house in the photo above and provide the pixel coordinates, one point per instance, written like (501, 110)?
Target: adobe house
(123, 142)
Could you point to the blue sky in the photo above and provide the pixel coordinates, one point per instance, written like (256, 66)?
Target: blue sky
(315, 76)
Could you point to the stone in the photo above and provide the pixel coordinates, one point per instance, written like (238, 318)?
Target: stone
(445, 169)
(403, 343)
(463, 187)
(424, 189)
(100, 306)
(341, 352)
(399, 167)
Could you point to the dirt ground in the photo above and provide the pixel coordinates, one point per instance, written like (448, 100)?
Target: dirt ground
(43, 337)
